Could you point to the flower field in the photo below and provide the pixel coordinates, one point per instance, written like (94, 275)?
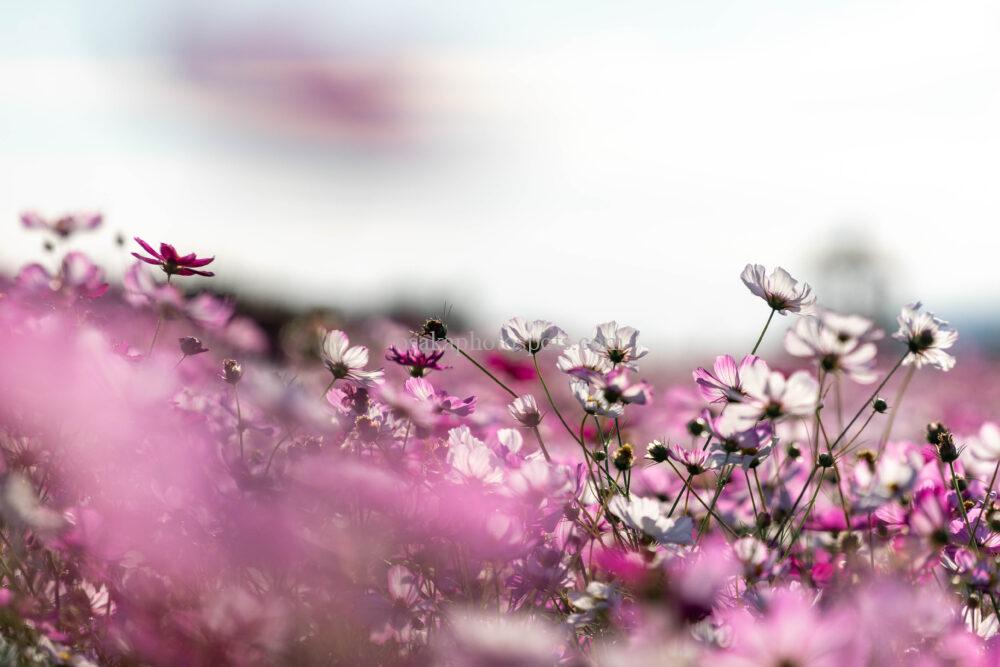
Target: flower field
(181, 485)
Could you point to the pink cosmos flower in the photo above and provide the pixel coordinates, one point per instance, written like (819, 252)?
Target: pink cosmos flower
(440, 401)
(173, 263)
(64, 226)
(618, 345)
(791, 633)
(418, 360)
(725, 385)
(77, 277)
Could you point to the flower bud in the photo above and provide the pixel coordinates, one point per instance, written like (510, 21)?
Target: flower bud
(656, 451)
(434, 329)
(879, 405)
(191, 346)
(599, 456)
(763, 519)
(947, 449)
(623, 457)
(825, 460)
(697, 426)
(232, 371)
(793, 451)
(934, 432)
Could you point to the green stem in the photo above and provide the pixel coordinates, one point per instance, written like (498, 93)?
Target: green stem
(763, 331)
(986, 499)
(895, 408)
(482, 368)
(545, 388)
(961, 506)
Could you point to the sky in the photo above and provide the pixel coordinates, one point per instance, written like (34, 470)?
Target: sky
(575, 161)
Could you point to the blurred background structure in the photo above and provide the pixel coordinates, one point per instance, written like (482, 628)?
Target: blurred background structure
(578, 161)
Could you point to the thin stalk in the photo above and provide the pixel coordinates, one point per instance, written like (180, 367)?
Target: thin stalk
(538, 371)
(805, 514)
(961, 506)
(239, 420)
(482, 368)
(986, 499)
(723, 480)
(895, 408)
(763, 331)
(867, 403)
(712, 512)
(541, 443)
(791, 512)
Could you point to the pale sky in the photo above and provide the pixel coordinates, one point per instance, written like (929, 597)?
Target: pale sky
(579, 163)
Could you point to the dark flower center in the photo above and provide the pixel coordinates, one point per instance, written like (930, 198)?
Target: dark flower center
(339, 369)
(773, 410)
(830, 362)
(922, 341)
(616, 356)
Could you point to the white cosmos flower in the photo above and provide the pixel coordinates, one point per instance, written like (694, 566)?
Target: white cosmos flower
(927, 337)
(592, 400)
(525, 410)
(770, 395)
(811, 338)
(520, 334)
(781, 292)
(348, 363)
(577, 358)
(984, 449)
(619, 345)
(647, 515)
(891, 478)
(471, 459)
(850, 327)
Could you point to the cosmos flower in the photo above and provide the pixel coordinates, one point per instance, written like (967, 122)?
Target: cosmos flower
(525, 410)
(617, 386)
(592, 400)
(418, 360)
(347, 363)
(64, 226)
(736, 443)
(648, 516)
(725, 385)
(471, 460)
(173, 263)
(927, 338)
(578, 358)
(520, 334)
(695, 460)
(440, 401)
(984, 448)
(617, 344)
(849, 327)
(770, 395)
(78, 277)
(781, 292)
(812, 339)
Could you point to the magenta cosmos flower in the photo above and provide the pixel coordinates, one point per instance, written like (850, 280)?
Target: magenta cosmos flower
(173, 263)
(64, 226)
(725, 384)
(419, 361)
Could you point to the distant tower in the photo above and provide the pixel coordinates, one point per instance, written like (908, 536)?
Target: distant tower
(853, 276)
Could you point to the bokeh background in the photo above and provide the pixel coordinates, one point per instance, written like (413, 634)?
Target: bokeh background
(573, 160)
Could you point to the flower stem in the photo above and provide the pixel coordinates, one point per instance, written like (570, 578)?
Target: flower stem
(763, 331)
(545, 388)
(986, 499)
(541, 443)
(482, 368)
(867, 403)
(895, 408)
(961, 506)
